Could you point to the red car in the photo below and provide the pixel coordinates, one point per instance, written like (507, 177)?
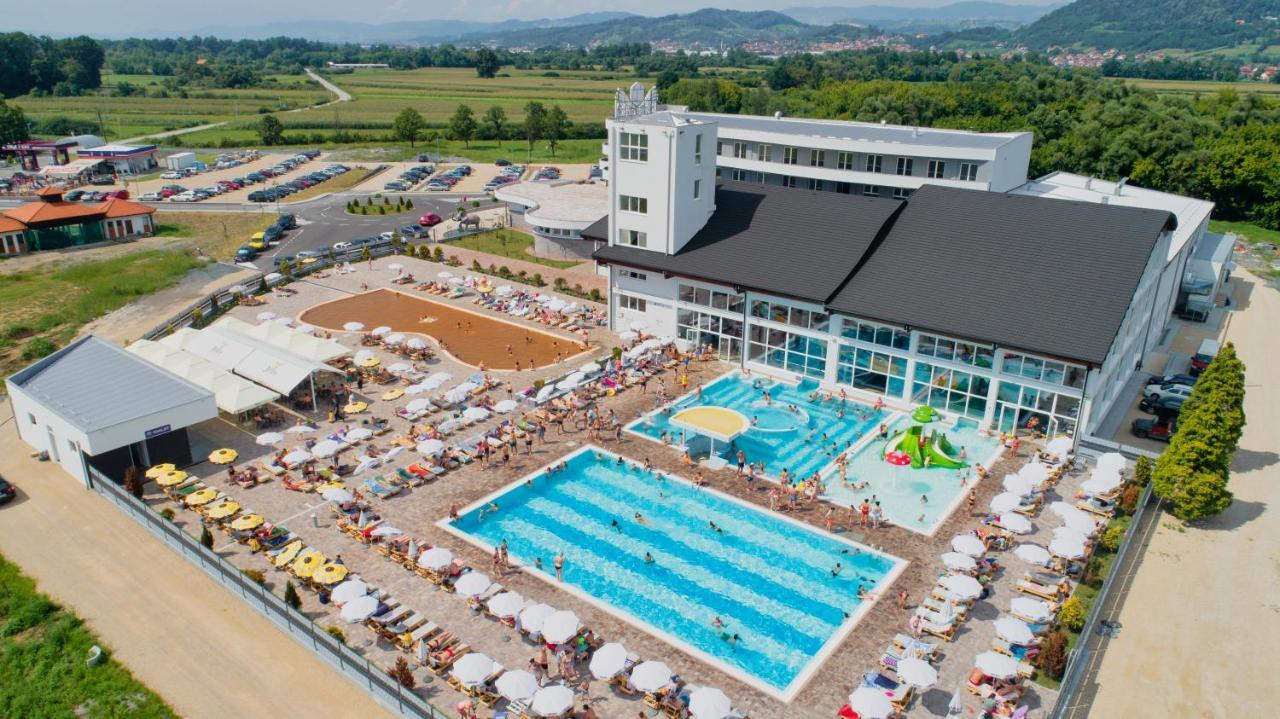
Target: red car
(430, 220)
(119, 194)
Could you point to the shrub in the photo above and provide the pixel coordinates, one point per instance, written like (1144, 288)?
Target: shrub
(1053, 655)
(454, 261)
(291, 597)
(617, 353)
(262, 284)
(476, 266)
(213, 304)
(364, 210)
(402, 673)
(1142, 471)
(206, 538)
(1072, 614)
(256, 575)
(382, 210)
(1129, 499)
(594, 295)
(1092, 574)
(560, 283)
(438, 253)
(337, 633)
(539, 383)
(493, 269)
(167, 513)
(386, 200)
(408, 204)
(577, 288)
(475, 203)
(503, 271)
(537, 279)
(1113, 535)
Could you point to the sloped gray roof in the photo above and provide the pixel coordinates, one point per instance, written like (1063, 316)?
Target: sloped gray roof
(94, 384)
(598, 230)
(788, 242)
(1046, 275)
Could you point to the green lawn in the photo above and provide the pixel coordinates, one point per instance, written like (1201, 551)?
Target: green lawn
(42, 661)
(1247, 231)
(508, 243)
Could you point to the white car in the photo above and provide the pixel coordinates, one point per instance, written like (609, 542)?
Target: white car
(1156, 392)
(340, 246)
(151, 197)
(388, 236)
(171, 175)
(184, 197)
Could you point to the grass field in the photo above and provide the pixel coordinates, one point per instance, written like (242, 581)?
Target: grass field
(42, 660)
(217, 234)
(1247, 231)
(1188, 87)
(508, 243)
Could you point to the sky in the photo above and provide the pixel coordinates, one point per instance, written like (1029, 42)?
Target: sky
(121, 17)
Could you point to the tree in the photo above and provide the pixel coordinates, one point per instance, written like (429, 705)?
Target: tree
(1072, 614)
(402, 673)
(555, 128)
(535, 116)
(1142, 471)
(206, 538)
(408, 125)
(495, 119)
(462, 126)
(1052, 659)
(13, 124)
(270, 131)
(291, 597)
(487, 63)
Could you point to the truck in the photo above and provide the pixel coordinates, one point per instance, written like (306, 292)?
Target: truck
(179, 161)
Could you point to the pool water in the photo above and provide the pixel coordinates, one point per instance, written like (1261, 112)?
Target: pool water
(801, 442)
(768, 578)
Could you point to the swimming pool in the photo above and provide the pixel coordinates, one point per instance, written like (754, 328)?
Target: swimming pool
(801, 441)
(769, 578)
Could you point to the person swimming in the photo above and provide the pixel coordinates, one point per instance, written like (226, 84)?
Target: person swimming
(640, 519)
(835, 571)
(615, 526)
(648, 558)
(714, 527)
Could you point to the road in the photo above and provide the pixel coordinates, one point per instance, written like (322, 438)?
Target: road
(342, 95)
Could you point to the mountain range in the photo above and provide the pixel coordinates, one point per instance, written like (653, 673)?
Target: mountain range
(956, 16)
(1155, 24)
(411, 31)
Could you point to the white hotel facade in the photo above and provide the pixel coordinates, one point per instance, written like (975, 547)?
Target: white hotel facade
(795, 248)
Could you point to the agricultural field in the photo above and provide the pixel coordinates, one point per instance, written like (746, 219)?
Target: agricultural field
(1189, 87)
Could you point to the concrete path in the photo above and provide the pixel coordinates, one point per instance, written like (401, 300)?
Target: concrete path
(339, 93)
(202, 649)
(170, 133)
(1201, 617)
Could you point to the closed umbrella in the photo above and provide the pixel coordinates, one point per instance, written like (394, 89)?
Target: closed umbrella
(552, 700)
(1113, 460)
(996, 666)
(956, 706)
(917, 672)
(1016, 523)
(870, 703)
(560, 627)
(1032, 554)
(968, 544)
(608, 661)
(476, 414)
(359, 609)
(430, 447)
(963, 585)
(1066, 548)
(353, 326)
(326, 448)
(517, 685)
(505, 406)
(435, 558)
(532, 616)
(959, 562)
(651, 676)
(337, 494)
(1032, 609)
(507, 604)
(472, 584)
(269, 438)
(474, 668)
(1014, 631)
(1005, 502)
(349, 590)
(709, 703)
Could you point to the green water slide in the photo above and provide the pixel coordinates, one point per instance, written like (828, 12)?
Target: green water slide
(940, 453)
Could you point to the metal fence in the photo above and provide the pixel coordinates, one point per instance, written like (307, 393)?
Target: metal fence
(346, 660)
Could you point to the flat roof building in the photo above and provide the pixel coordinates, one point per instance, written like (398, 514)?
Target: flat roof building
(124, 159)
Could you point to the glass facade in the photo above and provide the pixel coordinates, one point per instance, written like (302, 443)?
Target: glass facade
(1067, 375)
(723, 334)
(715, 299)
(882, 335)
(950, 390)
(789, 351)
(788, 315)
(1031, 408)
(871, 371)
(955, 351)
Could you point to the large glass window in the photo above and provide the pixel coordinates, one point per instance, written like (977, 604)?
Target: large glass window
(955, 351)
(788, 315)
(790, 351)
(628, 203)
(790, 155)
(874, 163)
(882, 335)
(1019, 407)
(722, 334)
(950, 390)
(872, 371)
(1044, 370)
(740, 150)
(633, 146)
(844, 161)
(716, 299)
(817, 158)
(632, 238)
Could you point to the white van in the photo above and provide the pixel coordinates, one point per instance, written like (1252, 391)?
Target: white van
(1204, 355)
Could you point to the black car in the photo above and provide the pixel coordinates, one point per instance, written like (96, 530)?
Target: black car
(7, 491)
(502, 163)
(1162, 380)
(246, 254)
(73, 196)
(424, 157)
(1161, 429)
(287, 221)
(1164, 407)
(272, 233)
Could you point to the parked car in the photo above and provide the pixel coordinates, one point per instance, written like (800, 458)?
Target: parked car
(1163, 407)
(257, 241)
(74, 195)
(388, 236)
(415, 231)
(1204, 355)
(342, 246)
(1159, 429)
(1164, 379)
(118, 195)
(502, 163)
(1154, 392)
(430, 219)
(151, 197)
(246, 254)
(7, 491)
(272, 235)
(171, 175)
(287, 221)
(424, 157)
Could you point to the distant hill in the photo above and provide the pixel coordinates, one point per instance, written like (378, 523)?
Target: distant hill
(418, 31)
(1140, 25)
(956, 16)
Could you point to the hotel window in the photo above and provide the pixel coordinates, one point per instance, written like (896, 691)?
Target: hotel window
(715, 299)
(634, 275)
(1067, 375)
(844, 188)
(817, 158)
(632, 238)
(814, 184)
(634, 146)
(969, 171)
(787, 350)
(844, 161)
(627, 203)
(872, 371)
(902, 193)
(697, 149)
(765, 153)
(950, 390)
(871, 190)
(874, 162)
(627, 302)
(788, 181)
(882, 335)
(790, 155)
(904, 165)
(936, 169)
(788, 315)
(1022, 407)
(697, 189)
(723, 334)
(739, 175)
(740, 150)
(955, 351)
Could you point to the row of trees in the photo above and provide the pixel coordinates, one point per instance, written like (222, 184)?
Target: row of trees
(42, 65)
(540, 123)
(1192, 473)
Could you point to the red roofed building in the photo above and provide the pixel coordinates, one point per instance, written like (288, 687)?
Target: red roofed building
(51, 223)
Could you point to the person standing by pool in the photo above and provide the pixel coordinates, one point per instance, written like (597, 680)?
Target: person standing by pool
(876, 515)
(559, 562)
(865, 511)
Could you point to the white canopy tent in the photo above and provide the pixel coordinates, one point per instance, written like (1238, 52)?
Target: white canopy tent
(233, 394)
(303, 344)
(277, 369)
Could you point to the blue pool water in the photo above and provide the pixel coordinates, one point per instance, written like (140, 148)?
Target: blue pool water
(767, 578)
(782, 439)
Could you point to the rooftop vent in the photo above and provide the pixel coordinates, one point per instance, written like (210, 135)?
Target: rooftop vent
(1120, 186)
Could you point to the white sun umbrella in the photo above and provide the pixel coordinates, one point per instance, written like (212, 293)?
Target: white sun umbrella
(386, 530)
(440, 377)
(1070, 535)
(1017, 484)
(395, 266)
(552, 700)
(399, 367)
(567, 383)
(416, 343)
(505, 405)
(300, 429)
(1082, 523)
(473, 668)
(363, 355)
(1032, 554)
(709, 703)
(589, 368)
(560, 627)
(1101, 483)
(444, 275)
(638, 325)
(472, 584)
(1033, 609)
(1058, 446)
(419, 388)
(507, 604)
(435, 558)
(359, 434)
(353, 326)
(286, 321)
(1062, 509)
(326, 448)
(359, 609)
(269, 438)
(297, 456)
(870, 703)
(504, 291)
(392, 340)
(963, 586)
(917, 672)
(266, 316)
(429, 447)
(608, 661)
(1016, 523)
(380, 331)
(997, 666)
(1005, 502)
(959, 562)
(476, 414)
(968, 544)
(532, 616)
(1035, 472)
(557, 305)
(545, 392)
(349, 591)
(1113, 460)
(651, 676)
(629, 336)
(337, 494)
(517, 685)
(1066, 548)
(1014, 631)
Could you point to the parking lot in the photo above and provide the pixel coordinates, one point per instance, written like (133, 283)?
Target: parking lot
(211, 177)
(471, 184)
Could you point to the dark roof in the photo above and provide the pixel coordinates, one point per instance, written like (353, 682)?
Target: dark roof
(795, 243)
(1046, 275)
(598, 230)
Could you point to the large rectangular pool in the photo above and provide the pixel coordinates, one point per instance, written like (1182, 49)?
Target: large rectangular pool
(768, 578)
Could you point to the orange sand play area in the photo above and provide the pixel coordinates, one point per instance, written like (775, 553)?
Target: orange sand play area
(471, 337)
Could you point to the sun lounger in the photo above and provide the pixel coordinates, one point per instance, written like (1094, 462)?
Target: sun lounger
(1020, 653)
(445, 663)
(903, 643)
(1097, 507)
(1049, 591)
(942, 630)
(941, 607)
(424, 631)
(390, 616)
(380, 488)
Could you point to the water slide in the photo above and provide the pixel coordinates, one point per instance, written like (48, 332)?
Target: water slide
(940, 453)
(937, 448)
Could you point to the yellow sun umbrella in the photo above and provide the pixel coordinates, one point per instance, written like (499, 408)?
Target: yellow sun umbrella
(288, 553)
(356, 407)
(391, 394)
(171, 478)
(160, 469)
(307, 260)
(222, 510)
(307, 564)
(202, 496)
(369, 362)
(330, 574)
(330, 485)
(245, 522)
(223, 456)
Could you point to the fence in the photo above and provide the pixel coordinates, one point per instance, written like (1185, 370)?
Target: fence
(346, 660)
(1075, 697)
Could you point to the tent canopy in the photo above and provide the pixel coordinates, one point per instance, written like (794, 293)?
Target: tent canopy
(233, 394)
(251, 358)
(287, 338)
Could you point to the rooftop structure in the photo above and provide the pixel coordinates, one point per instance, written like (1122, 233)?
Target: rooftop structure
(558, 212)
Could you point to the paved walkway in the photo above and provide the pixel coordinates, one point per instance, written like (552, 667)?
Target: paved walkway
(1200, 618)
(178, 631)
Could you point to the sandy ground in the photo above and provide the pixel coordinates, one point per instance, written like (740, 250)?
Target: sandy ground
(178, 631)
(1201, 617)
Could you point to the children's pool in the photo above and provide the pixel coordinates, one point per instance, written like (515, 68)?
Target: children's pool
(768, 578)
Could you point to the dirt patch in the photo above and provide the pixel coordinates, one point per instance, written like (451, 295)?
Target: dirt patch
(470, 337)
